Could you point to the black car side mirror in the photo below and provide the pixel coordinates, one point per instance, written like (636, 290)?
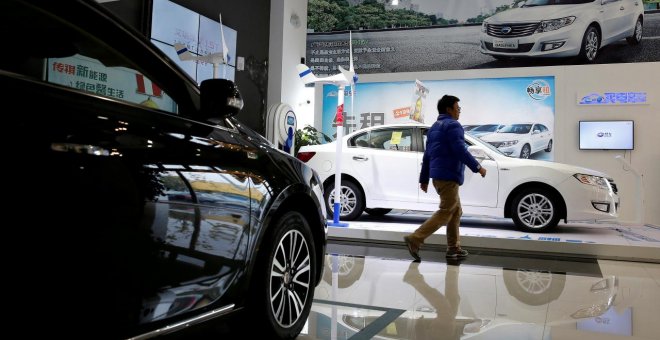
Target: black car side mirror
(220, 98)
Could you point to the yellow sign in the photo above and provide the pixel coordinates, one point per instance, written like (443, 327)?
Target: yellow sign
(396, 138)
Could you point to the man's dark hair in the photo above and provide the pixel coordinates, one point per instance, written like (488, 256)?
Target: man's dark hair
(447, 101)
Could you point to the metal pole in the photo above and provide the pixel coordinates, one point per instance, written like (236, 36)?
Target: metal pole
(340, 134)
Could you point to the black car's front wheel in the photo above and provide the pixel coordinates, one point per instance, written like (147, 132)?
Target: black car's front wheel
(284, 287)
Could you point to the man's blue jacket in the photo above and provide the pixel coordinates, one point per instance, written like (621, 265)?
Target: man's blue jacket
(446, 154)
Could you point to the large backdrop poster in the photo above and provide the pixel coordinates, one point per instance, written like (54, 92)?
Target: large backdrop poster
(435, 35)
(507, 113)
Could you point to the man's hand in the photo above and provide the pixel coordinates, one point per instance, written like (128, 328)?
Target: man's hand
(424, 186)
(482, 172)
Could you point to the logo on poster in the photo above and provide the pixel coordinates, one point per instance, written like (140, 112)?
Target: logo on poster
(539, 89)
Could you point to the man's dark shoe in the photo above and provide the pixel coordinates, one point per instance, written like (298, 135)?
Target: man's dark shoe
(412, 248)
(456, 253)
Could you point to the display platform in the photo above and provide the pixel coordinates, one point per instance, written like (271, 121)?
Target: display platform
(489, 235)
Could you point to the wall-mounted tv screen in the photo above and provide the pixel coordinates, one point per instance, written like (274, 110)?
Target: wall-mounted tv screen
(607, 135)
(172, 23)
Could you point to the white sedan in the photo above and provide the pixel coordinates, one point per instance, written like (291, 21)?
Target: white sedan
(380, 171)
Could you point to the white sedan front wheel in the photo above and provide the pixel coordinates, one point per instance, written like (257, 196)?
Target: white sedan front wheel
(351, 200)
(535, 210)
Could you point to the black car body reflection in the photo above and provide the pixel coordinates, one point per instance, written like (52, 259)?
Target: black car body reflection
(154, 212)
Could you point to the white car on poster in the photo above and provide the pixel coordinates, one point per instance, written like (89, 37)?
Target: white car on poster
(381, 166)
(521, 140)
(562, 28)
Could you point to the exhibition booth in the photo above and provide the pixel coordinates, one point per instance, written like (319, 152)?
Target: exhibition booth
(598, 112)
(598, 115)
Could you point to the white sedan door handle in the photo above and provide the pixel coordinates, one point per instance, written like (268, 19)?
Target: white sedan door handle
(360, 158)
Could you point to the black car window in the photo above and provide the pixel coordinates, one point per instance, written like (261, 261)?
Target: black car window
(57, 52)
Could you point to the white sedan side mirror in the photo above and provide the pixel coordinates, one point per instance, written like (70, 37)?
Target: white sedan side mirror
(478, 153)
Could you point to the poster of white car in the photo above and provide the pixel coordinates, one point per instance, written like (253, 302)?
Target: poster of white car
(561, 28)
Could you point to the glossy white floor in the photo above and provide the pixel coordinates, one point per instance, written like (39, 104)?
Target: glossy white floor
(378, 292)
(582, 281)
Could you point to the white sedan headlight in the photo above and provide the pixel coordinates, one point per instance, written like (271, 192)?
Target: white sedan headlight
(508, 143)
(592, 180)
(554, 24)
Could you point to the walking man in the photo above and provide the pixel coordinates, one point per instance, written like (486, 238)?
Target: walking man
(445, 158)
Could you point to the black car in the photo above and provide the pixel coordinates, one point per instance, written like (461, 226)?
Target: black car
(143, 206)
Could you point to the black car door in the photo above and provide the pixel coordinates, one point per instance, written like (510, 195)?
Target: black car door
(112, 173)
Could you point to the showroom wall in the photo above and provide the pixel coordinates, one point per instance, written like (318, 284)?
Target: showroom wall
(570, 81)
(288, 26)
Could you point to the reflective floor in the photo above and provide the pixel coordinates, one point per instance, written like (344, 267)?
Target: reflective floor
(377, 292)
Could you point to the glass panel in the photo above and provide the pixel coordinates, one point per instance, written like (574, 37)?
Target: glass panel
(398, 140)
(361, 140)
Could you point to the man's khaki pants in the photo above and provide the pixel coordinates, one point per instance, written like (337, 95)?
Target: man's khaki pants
(449, 214)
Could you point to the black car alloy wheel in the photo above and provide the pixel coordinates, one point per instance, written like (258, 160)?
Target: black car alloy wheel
(289, 274)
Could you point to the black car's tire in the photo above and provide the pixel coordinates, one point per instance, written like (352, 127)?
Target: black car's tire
(549, 148)
(535, 210)
(352, 200)
(534, 287)
(283, 286)
(377, 211)
(349, 270)
(636, 38)
(526, 151)
(590, 45)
